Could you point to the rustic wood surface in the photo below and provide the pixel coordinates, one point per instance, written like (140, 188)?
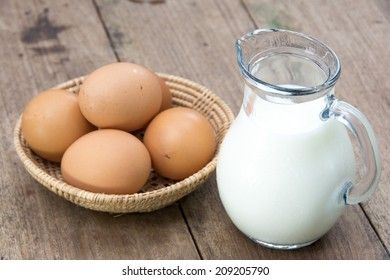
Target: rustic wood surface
(47, 42)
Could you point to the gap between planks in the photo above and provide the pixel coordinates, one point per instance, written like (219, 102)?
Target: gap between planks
(374, 229)
(99, 15)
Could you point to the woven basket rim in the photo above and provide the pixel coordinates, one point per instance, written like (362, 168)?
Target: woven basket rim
(42, 175)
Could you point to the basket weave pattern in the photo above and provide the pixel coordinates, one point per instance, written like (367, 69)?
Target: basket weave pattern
(158, 192)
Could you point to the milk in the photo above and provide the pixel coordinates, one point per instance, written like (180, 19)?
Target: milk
(281, 170)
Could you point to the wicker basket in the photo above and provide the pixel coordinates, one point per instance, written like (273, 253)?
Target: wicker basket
(158, 191)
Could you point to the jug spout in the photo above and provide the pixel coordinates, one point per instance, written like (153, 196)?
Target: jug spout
(286, 66)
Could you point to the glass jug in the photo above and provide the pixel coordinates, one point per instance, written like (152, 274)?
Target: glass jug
(286, 166)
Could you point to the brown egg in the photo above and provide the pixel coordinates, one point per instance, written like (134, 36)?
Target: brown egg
(166, 96)
(52, 121)
(120, 95)
(180, 141)
(107, 161)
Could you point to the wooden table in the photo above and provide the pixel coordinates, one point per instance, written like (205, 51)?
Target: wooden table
(47, 42)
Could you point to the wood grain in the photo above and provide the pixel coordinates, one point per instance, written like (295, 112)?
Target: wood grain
(195, 39)
(358, 31)
(44, 43)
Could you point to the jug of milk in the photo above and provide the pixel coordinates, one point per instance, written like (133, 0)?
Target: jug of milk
(286, 167)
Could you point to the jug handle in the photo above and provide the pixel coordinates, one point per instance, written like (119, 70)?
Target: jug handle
(360, 127)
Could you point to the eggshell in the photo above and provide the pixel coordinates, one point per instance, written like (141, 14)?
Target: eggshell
(107, 161)
(121, 95)
(52, 121)
(166, 96)
(180, 141)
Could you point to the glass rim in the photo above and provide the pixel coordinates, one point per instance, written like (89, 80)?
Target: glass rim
(281, 90)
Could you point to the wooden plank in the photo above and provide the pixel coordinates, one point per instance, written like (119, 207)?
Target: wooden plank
(195, 39)
(44, 43)
(358, 31)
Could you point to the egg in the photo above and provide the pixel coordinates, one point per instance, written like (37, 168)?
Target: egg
(166, 96)
(107, 161)
(51, 122)
(120, 95)
(180, 141)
